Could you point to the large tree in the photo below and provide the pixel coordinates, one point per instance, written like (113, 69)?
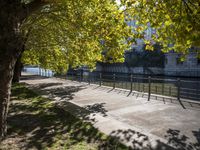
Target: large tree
(82, 30)
(55, 33)
(12, 15)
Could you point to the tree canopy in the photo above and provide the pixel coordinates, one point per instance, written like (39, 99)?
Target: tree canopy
(76, 33)
(83, 32)
(177, 22)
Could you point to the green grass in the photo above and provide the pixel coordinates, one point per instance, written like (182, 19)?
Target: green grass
(36, 123)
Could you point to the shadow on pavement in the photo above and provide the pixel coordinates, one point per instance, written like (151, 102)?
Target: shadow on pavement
(47, 85)
(174, 138)
(63, 93)
(87, 113)
(181, 141)
(32, 77)
(184, 104)
(97, 108)
(139, 141)
(57, 90)
(55, 121)
(35, 123)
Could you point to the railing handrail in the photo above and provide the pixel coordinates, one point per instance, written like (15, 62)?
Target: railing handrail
(150, 85)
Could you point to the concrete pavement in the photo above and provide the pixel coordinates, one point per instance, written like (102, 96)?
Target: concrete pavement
(141, 124)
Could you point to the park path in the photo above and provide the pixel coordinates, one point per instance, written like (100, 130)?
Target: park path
(135, 121)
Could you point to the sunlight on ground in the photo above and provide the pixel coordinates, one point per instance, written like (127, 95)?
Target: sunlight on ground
(36, 123)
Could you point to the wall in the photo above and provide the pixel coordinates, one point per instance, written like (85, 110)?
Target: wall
(122, 68)
(190, 67)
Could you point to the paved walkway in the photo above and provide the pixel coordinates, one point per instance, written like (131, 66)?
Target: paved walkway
(141, 124)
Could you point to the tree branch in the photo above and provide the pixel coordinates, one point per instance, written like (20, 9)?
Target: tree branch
(35, 5)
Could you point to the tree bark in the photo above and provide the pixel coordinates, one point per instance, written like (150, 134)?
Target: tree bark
(6, 73)
(11, 43)
(17, 71)
(12, 40)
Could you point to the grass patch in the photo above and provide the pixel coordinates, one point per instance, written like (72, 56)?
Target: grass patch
(36, 123)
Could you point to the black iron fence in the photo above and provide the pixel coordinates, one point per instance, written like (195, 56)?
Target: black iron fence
(175, 88)
(151, 86)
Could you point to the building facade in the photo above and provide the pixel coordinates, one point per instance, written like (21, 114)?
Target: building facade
(190, 67)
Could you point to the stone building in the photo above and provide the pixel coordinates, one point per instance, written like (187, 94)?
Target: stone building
(190, 67)
(150, 64)
(137, 62)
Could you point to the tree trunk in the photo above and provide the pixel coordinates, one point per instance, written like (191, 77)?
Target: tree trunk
(12, 40)
(17, 71)
(6, 72)
(11, 44)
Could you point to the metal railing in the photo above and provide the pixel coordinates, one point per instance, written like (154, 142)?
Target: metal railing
(151, 86)
(175, 88)
(39, 71)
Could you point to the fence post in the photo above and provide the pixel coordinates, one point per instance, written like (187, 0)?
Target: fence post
(178, 88)
(139, 85)
(131, 83)
(89, 78)
(80, 76)
(113, 81)
(196, 90)
(100, 79)
(143, 88)
(72, 76)
(156, 89)
(170, 91)
(162, 88)
(39, 71)
(149, 92)
(45, 73)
